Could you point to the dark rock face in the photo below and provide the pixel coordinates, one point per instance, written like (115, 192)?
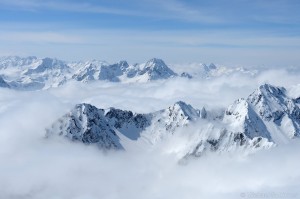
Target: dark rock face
(251, 124)
(49, 64)
(129, 124)
(87, 124)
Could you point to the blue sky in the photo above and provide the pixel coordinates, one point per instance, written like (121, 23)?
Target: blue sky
(236, 32)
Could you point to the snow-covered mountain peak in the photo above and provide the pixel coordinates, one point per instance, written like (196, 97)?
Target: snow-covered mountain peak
(185, 109)
(88, 71)
(87, 124)
(238, 108)
(243, 126)
(50, 64)
(156, 69)
(123, 65)
(279, 112)
(212, 66)
(155, 62)
(209, 68)
(16, 61)
(268, 90)
(240, 117)
(270, 101)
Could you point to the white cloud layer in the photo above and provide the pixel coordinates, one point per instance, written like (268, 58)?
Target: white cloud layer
(34, 167)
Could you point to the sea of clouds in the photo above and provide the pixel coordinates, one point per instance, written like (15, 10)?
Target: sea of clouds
(32, 166)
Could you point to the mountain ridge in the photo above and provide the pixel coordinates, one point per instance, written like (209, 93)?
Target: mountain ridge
(32, 73)
(243, 126)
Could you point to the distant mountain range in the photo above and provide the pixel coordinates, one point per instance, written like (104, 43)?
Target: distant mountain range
(268, 117)
(32, 73)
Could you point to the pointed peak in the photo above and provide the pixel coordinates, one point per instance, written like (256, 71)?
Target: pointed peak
(212, 66)
(187, 109)
(268, 88)
(181, 104)
(266, 91)
(209, 67)
(123, 63)
(239, 107)
(155, 61)
(203, 113)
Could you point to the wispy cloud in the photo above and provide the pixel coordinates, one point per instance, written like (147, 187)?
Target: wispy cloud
(36, 5)
(241, 47)
(40, 37)
(169, 9)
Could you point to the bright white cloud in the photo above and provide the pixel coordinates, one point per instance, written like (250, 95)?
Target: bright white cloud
(35, 167)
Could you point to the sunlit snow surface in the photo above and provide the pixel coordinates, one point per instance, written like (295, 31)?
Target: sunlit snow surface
(35, 167)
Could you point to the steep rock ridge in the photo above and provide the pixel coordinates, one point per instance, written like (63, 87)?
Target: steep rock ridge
(41, 74)
(220, 141)
(240, 129)
(167, 121)
(16, 61)
(279, 111)
(128, 123)
(87, 124)
(240, 117)
(32, 73)
(248, 125)
(53, 66)
(84, 118)
(156, 69)
(123, 72)
(113, 72)
(88, 71)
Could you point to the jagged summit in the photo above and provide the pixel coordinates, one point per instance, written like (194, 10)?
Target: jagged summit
(241, 117)
(87, 124)
(212, 66)
(32, 73)
(244, 125)
(16, 61)
(272, 102)
(123, 65)
(267, 112)
(49, 64)
(155, 61)
(186, 109)
(209, 68)
(156, 69)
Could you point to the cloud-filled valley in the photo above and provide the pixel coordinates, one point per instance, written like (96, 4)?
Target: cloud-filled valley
(33, 166)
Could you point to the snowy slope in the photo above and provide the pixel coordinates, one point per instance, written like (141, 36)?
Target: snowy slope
(279, 112)
(87, 124)
(32, 73)
(155, 69)
(266, 118)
